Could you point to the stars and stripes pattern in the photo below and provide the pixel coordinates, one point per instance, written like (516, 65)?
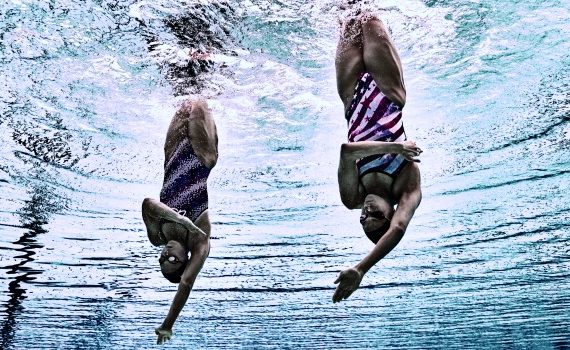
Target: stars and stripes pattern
(374, 117)
(185, 182)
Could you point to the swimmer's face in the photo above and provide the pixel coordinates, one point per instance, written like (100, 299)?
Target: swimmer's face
(376, 212)
(172, 257)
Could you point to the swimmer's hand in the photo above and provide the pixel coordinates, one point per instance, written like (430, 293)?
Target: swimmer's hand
(348, 281)
(410, 151)
(163, 335)
(190, 226)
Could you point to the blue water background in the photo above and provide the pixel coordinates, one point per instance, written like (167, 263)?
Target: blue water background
(88, 89)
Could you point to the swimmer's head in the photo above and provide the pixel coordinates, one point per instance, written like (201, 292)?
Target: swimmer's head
(173, 260)
(375, 216)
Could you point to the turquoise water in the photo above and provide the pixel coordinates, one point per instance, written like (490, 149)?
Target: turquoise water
(88, 91)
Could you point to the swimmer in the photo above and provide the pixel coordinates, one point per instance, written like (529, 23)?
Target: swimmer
(378, 166)
(179, 221)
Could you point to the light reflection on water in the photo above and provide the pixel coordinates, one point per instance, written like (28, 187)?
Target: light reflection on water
(89, 91)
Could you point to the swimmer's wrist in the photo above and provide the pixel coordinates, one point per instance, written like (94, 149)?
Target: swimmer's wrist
(398, 147)
(192, 228)
(358, 267)
(181, 218)
(173, 215)
(164, 328)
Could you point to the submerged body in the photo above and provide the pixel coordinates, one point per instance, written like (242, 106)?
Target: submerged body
(377, 168)
(180, 220)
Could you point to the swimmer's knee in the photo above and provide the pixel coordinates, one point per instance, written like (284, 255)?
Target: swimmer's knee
(200, 104)
(371, 24)
(185, 108)
(368, 17)
(194, 108)
(200, 110)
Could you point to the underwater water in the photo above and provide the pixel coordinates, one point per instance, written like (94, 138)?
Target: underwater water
(87, 94)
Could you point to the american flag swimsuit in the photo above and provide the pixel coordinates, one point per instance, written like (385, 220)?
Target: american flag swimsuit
(374, 117)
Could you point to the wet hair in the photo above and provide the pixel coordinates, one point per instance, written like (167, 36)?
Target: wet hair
(375, 235)
(175, 276)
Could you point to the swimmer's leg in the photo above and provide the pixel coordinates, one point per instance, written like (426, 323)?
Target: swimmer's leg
(349, 62)
(382, 60)
(201, 131)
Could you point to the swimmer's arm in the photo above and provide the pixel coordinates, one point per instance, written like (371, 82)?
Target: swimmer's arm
(352, 151)
(402, 217)
(351, 190)
(154, 210)
(197, 259)
(349, 280)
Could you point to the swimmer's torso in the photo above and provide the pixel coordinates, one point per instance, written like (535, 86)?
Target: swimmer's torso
(372, 116)
(185, 176)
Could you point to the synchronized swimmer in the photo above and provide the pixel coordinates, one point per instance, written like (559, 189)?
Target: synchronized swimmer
(180, 221)
(377, 168)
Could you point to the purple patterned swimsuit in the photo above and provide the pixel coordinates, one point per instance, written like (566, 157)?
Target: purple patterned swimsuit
(374, 117)
(185, 182)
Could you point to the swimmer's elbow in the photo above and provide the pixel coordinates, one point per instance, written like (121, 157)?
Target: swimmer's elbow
(346, 151)
(350, 203)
